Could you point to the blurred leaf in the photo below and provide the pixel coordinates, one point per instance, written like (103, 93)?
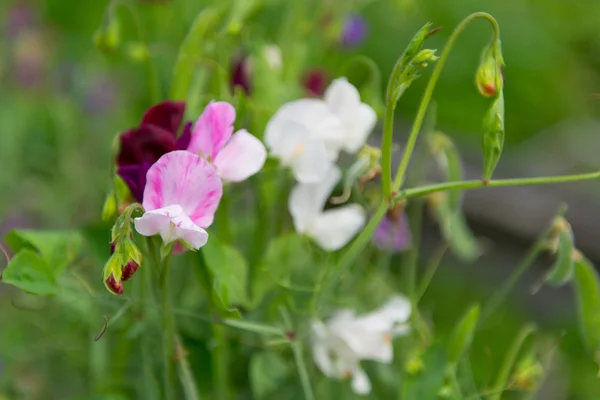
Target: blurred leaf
(562, 270)
(364, 73)
(462, 336)
(229, 271)
(57, 248)
(587, 291)
(191, 52)
(454, 228)
(30, 273)
(267, 370)
(425, 384)
(449, 162)
(285, 254)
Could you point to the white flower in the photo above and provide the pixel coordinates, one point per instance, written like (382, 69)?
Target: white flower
(346, 339)
(322, 127)
(331, 229)
(357, 119)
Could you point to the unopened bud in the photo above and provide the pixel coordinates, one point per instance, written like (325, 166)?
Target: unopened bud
(108, 36)
(109, 210)
(490, 75)
(137, 51)
(493, 136)
(113, 285)
(129, 270)
(426, 56)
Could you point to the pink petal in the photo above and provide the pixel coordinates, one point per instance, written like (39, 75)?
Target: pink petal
(187, 180)
(243, 156)
(213, 129)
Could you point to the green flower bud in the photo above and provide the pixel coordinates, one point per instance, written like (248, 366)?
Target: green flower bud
(109, 210)
(137, 51)
(489, 77)
(108, 36)
(493, 136)
(425, 56)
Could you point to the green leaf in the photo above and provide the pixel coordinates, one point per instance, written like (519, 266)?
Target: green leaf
(425, 384)
(191, 52)
(29, 272)
(454, 228)
(587, 291)
(229, 271)
(463, 333)
(449, 162)
(253, 327)
(57, 248)
(285, 255)
(562, 270)
(267, 371)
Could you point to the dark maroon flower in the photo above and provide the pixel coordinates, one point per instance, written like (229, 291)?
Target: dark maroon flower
(315, 82)
(240, 74)
(113, 285)
(355, 31)
(144, 145)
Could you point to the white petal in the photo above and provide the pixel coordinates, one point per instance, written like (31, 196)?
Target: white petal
(321, 355)
(313, 115)
(171, 223)
(396, 311)
(359, 128)
(311, 163)
(360, 382)
(334, 228)
(242, 156)
(308, 199)
(343, 99)
(287, 138)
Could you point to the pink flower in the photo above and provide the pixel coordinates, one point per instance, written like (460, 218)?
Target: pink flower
(181, 197)
(236, 156)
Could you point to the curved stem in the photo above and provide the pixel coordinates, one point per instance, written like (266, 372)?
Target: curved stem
(386, 147)
(414, 133)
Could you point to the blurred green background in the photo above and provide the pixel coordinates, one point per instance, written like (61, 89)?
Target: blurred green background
(62, 101)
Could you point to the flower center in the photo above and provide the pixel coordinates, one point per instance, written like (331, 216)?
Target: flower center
(387, 337)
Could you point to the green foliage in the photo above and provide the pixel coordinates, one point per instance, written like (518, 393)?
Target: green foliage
(587, 289)
(267, 370)
(31, 273)
(426, 383)
(462, 337)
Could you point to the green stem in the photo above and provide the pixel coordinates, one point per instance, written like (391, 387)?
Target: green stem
(298, 356)
(168, 331)
(185, 372)
(386, 147)
(220, 362)
(416, 128)
(430, 271)
(509, 362)
(475, 184)
(533, 253)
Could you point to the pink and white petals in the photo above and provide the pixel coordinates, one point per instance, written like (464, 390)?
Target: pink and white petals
(212, 130)
(181, 197)
(243, 156)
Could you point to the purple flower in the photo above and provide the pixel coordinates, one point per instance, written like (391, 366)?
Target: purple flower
(240, 74)
(355, 31)
(19, 18)
(393, 233)
(144, 145)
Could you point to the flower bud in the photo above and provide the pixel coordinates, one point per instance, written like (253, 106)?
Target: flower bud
(109, 210)
(129, 270)
(137, 51)
(108, 36)
(493, 136)
(113, 285)
(489, 77)
(425, 56)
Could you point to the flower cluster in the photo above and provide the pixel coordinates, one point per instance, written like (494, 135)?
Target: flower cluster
(178, 178)
(345, 339)
(308, 135)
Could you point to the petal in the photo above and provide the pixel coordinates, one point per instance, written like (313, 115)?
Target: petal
(396, 311)
(166, 115)
(393, 234)
(360, 128)
(334, 228)
(287, 139)
(135, 177)
(307, 200)
(171, 223)
(183, 178)
(343, 99)
(360, 382)
(213, 129)
(313, 114)
(312, 162)
(243, 156)
(145, 143)
(183, 141)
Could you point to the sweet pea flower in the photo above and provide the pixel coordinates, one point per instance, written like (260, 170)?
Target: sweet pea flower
(236, 156)
(340, 121)
(344, 340)
(144, 145)
(355, 31)
(393, 233)
(330, 229)
(180, 199)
